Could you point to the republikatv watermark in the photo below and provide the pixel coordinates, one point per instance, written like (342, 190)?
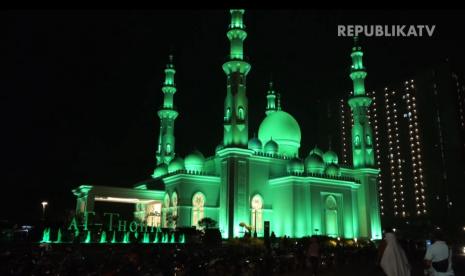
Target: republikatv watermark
(386, 30)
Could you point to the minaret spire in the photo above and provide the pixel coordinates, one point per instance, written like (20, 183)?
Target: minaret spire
(168, 114)
(362, 148)
(278, 101)
(270, 99)
(236, 69)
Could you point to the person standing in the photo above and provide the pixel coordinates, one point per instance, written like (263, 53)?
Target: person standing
(438, 257)
(392, 257)
(313, 253)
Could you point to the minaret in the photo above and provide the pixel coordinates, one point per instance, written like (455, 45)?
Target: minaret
(236, 69)
(362, 152)
(167, 114)
(362, 143)
(270, 100)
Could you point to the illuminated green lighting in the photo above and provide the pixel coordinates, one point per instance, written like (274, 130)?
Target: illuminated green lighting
(59, 238)
(146, 238)
(46, 235)
(113, 239)
(236, 19)
(156, 238)
(165, 238)
(249, 182)
(172, 238)
(103, 237)
(126, 237)
(87, 237)
(282, 128)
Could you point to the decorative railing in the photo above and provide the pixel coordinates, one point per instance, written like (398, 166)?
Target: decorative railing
(184, 171)
(327, 176)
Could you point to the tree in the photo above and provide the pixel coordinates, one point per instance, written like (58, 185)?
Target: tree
(172, 220)
(207, 222)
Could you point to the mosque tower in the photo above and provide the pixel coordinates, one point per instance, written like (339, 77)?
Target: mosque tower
(362, 150)
(362, 134)
(270, 100)
(168, 114)
(236, 110)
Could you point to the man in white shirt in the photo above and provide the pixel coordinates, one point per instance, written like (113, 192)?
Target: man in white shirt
(438, 257)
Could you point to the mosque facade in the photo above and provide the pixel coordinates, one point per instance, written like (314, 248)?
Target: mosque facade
(261, 180)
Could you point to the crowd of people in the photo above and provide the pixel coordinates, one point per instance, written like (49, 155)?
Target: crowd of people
(394, 261)
(282, 256)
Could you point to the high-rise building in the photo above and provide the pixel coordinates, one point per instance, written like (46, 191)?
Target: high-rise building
(419, 142)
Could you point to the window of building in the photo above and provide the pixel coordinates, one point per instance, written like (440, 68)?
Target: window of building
(369, 140)
(240, 113)
(257, 214)
(332, 228)
(357, 141)
(198, 203)
(174, 202)
(227, 116)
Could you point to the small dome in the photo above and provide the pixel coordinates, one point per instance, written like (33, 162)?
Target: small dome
(295, 165)
(284, 129)
(162, 169)
(176, 164)
(194, 161)
(255, 144)
(316, 151)
(314, 163)
(330, 157)
(332, 169)
(271, 147)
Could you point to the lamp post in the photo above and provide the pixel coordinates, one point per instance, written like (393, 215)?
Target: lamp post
(44, 204)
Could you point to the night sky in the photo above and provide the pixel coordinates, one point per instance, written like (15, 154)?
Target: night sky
(80, 90)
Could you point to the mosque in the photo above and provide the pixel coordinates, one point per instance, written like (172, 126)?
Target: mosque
(260, 180)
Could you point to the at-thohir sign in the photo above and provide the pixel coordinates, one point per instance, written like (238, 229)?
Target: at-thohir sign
(115, 230)
(123, 225)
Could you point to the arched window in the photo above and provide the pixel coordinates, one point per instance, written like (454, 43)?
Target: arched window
(368, 140)
(153, 213)
(198, 203)
(168, 148)
(240, 113)
(357, 141)
(227, 116)
(173, 219)
(331, 216)
(257, 214)
(174, 202)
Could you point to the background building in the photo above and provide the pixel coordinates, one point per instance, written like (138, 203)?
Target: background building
(419, 131)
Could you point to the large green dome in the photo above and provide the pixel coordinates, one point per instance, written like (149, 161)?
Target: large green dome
(282, 128)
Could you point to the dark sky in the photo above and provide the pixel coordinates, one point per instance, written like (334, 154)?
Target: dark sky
(80, 89)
